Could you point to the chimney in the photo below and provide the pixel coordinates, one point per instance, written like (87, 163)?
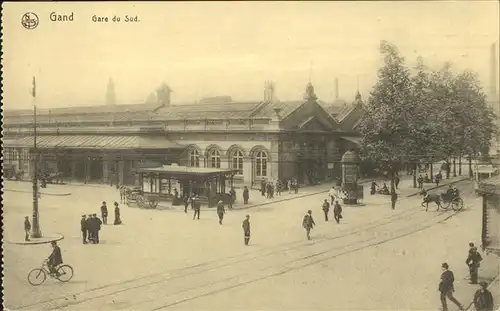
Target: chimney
(163, 95)
(336, 88)
(493, 72)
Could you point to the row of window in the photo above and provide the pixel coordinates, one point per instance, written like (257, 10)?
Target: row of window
(15, 155)
(235, 161)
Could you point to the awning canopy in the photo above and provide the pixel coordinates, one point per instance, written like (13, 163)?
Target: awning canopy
(352, 139)
(94, 142)
(187, 172)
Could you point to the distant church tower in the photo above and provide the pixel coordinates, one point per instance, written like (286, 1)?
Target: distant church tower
(110, 93)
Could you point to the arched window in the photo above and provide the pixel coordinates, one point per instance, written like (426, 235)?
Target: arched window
(261, 164)
(214, 156)
(194, 158)
(237, 161)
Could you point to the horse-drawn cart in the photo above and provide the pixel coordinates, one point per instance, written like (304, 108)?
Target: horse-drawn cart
(136, 196)
(444, 200)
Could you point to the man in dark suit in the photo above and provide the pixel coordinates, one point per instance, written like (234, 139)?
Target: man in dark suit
(473, 261)
(446, 287)
(55, 258)
(483, 299)
(326, 209)
(195, 203)
(27, 228)
(97, 228)
(308, 223)
(83, 226)
(220, 211)
(90, 229)
(246, 229)
(104, 213)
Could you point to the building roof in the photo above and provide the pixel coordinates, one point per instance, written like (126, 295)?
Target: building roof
(333, 108)
(83, 110)
(176, 170)
(95, 142)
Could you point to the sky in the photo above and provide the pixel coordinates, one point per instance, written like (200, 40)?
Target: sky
(231, 48)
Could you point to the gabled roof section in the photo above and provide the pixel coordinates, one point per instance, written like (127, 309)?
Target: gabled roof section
(334, 108)
(286, 108)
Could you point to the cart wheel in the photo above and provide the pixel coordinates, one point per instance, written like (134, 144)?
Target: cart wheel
(457, 204)
(140, 201)
(153, 202)
(445, 205)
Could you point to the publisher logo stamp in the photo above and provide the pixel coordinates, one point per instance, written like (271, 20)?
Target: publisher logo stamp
(29, 20)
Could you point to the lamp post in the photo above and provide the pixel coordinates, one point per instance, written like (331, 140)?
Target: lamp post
(36, 232)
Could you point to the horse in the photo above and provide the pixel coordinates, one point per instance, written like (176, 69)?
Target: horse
(428, 198)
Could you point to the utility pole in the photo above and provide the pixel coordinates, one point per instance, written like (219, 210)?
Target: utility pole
(36, 232)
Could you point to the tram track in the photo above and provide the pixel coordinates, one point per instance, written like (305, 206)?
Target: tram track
(252, 259)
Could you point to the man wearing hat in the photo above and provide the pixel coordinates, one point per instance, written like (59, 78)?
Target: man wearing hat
(473, 260)
(97, 228)
(90, 228)
(246, 229)
(308, 223)
(195, 203)
(483, 300)
(104, 213)
(27, 228)
(220, 211)
(83, 226)
(446, 287)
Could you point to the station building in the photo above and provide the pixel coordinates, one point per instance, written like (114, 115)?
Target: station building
(266, 139)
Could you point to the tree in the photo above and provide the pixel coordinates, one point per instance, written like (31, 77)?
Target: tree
(478, 119)
(391, 128)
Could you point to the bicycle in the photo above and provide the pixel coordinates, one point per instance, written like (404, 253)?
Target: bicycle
(37, 276)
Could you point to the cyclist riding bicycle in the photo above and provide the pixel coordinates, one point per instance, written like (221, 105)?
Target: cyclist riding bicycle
(55, 259)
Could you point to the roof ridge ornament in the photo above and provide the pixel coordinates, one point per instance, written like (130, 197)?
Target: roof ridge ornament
(309, 94)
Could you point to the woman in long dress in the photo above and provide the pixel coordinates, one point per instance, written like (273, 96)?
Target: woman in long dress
(118, 221)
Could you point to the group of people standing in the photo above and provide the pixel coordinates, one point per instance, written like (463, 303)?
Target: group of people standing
(91, 225)
(425, 179)
(269, 188)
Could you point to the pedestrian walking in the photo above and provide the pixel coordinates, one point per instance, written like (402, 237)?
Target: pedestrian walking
(308, 223)
(337, 212)
(326, 209)
(473, 261)
(83, 227)
(118, 219)
(27, 228)
(263, 187)
(104, 213)
(394, 198)
(246, 195)
(483, 299)
(90, 229)
(196, 206)
(332, 194)
(289, 186)
(420, 181)
(186, 203)
(296, 186)
(246, 229)
(97, 228)
(396, 181)
(220, 211)
(446, 288)
(232, 197)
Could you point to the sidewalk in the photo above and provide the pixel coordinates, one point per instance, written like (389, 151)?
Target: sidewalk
(489, 272)
(256, 199)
